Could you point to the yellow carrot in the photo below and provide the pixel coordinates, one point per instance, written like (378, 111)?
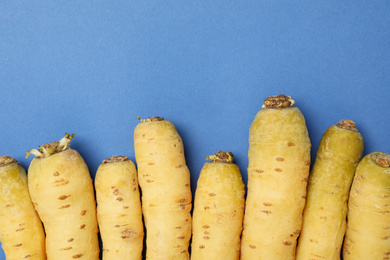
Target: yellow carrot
(368, 229)
(218, 210)
(164, 179)
(324, 217)
(62, 191)
(279, 161)
(119, 209)
(21, 231)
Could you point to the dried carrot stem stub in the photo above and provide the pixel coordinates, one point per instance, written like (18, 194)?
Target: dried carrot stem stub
(164, 179)
(324, 217)
(119, 209)
(62, 192)
(21, 230)
(278, 170)
(218, 210)
(368, 231)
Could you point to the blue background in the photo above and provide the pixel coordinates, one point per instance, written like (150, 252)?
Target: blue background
(92, 67)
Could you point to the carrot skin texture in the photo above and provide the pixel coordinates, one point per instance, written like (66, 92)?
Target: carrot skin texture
(279, 161)
(21, 230)
(218, 212)
(324, 218)
(62, 191)
(119, 210)
(164, 179)
(368, 226)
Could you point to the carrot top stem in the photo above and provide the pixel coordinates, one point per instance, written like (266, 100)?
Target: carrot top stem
(279, 101)
(47, 150)
(347, 125)
(114, 159)
(5, 159)
(382, 159)
(220, 156)
(151, 119)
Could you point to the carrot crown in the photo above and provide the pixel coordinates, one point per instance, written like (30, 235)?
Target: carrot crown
(5, 159)
(382, 159)
(49, 149)
(220, 156)
(279, 101)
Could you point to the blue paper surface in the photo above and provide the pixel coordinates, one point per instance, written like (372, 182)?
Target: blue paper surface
(92, 67)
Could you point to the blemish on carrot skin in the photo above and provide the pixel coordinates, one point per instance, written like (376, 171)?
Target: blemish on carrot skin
(182, 206)
(174, 145)
(278, 169)
(70, 239)
(125, 207)
(187, 220)
(206, 233)
(149, 181)
(83, 212)
(313, 241)
(18, 245)
(207, 207)
(66, 248)
(259, 171)
(252, 246)
(266, 212)
(280, 159)
(187, 185)
(184, 251)
(119, 199)
(305, 179)
(212, 194)
(206, 237)
(64, 206)
(290, 144)
(56, 174)
(267, 204)
(206, 226)
(150, 139)
(181, 237)
(201, 246)
(177, 246)
(22, 224)
(82, 226)
(287, 243)
(63, 197)
(179, 166)
(28, 256)
(178, 227)
(115, 192)
(77, 256)
(324, 218)
(307, 163)
(151, 163)
(20, 229)
(385, 238)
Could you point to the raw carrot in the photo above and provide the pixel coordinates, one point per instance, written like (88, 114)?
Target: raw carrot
(21, 230)
(119, 209)
(164, 179)
(324, 217)
(279, 162)
(218, 210)
(62, 191)
(368, 226)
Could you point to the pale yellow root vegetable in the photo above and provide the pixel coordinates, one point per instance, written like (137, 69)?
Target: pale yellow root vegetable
(368, 231)
(324, 217)
(218, 210)
(119, 209)
(164, 179)
(61, 190)
(278, 170)
(21, 231)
